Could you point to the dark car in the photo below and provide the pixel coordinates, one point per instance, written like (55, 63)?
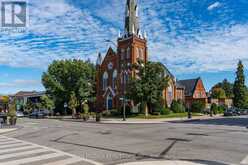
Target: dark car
(37, 115)
(231, 112)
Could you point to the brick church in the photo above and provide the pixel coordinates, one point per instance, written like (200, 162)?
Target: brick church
(114, 70)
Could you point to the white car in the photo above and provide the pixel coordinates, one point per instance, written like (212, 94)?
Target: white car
(19, 114)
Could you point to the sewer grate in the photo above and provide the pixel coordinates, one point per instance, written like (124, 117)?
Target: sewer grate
(178, 139)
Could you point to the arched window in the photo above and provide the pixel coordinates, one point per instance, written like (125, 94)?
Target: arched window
(137, 53)
(114, 81)
(105, 81)
(122, 54)
(128, 53)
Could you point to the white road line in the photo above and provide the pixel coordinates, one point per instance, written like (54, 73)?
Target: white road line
(8, 142)
(245, 160)
(18, 149)
(65, 162)
(72, 159)
(32, 159)
(11, 145)
(10, 155)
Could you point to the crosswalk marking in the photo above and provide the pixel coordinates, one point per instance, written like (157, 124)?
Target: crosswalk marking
(32, 159)
(10, 155)
(17, 152)
(245, 161)
(2, 147)
(64, 162)
(17, 149)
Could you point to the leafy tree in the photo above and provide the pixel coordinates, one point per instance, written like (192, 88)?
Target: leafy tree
(198, 106)
(147, 86)
(218, 93)
(69, 76)
(214, 108)
(226, 86)
(73, 103)
(177, 107)
(239, 89)
(29, 107)
(47, 103)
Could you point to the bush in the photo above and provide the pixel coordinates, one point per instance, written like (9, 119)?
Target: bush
(197, 107)
(221, 109)
(214, 108)
(165, 111)
(177, 107)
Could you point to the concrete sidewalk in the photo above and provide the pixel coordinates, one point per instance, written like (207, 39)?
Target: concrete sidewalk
(162, 163)
(155, 121)
(5, 130)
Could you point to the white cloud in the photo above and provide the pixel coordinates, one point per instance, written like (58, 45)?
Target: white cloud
(20, 84)
(214, 6)
(177, 36)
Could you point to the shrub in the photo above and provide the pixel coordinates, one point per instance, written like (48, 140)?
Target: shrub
(177, 107)
(221, 109)
(214, 108)
(165, 111)
(197, 107)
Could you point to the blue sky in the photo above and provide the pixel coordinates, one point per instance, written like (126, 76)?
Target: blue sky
(191, 37)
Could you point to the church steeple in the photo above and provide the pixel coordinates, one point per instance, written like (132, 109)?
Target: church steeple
(132, 18)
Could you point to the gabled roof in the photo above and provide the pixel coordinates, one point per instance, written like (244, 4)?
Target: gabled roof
(189, 85)
(168, 73)
(28, 94)
(110, 52)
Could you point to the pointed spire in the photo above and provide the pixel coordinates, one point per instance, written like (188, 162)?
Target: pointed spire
(132, 20)
(99, 59)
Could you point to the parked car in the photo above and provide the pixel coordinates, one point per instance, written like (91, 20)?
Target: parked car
(230, 112)
(37, 114)
(19, 114)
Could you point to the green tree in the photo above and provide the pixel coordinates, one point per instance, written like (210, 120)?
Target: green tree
(227, 87)
(198, 106)
(147, 86)
(47, 103)
(69, 76)
(239, 88)
(177, 107)
(218, 93)
(73, 103)
(214, 108)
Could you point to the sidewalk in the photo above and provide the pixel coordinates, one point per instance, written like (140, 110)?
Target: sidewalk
(162, 163)
(155, 121)
(5, 130)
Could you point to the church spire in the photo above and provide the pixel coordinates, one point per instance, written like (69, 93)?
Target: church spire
(132, 19)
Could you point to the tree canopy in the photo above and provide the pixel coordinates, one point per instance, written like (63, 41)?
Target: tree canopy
(69, 76)
(218, 93)
(147, 86)
(226, 86)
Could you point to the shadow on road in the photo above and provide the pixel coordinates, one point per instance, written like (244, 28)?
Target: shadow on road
(234, 121)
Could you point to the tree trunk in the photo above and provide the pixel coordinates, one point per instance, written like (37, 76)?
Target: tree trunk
(146, 110)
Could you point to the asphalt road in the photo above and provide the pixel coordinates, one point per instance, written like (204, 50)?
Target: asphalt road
(217, 141)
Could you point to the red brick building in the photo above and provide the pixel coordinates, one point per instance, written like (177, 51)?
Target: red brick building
(194, 91)
(114, 70)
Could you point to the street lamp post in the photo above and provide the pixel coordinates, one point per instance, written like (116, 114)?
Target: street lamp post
(124, 96)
